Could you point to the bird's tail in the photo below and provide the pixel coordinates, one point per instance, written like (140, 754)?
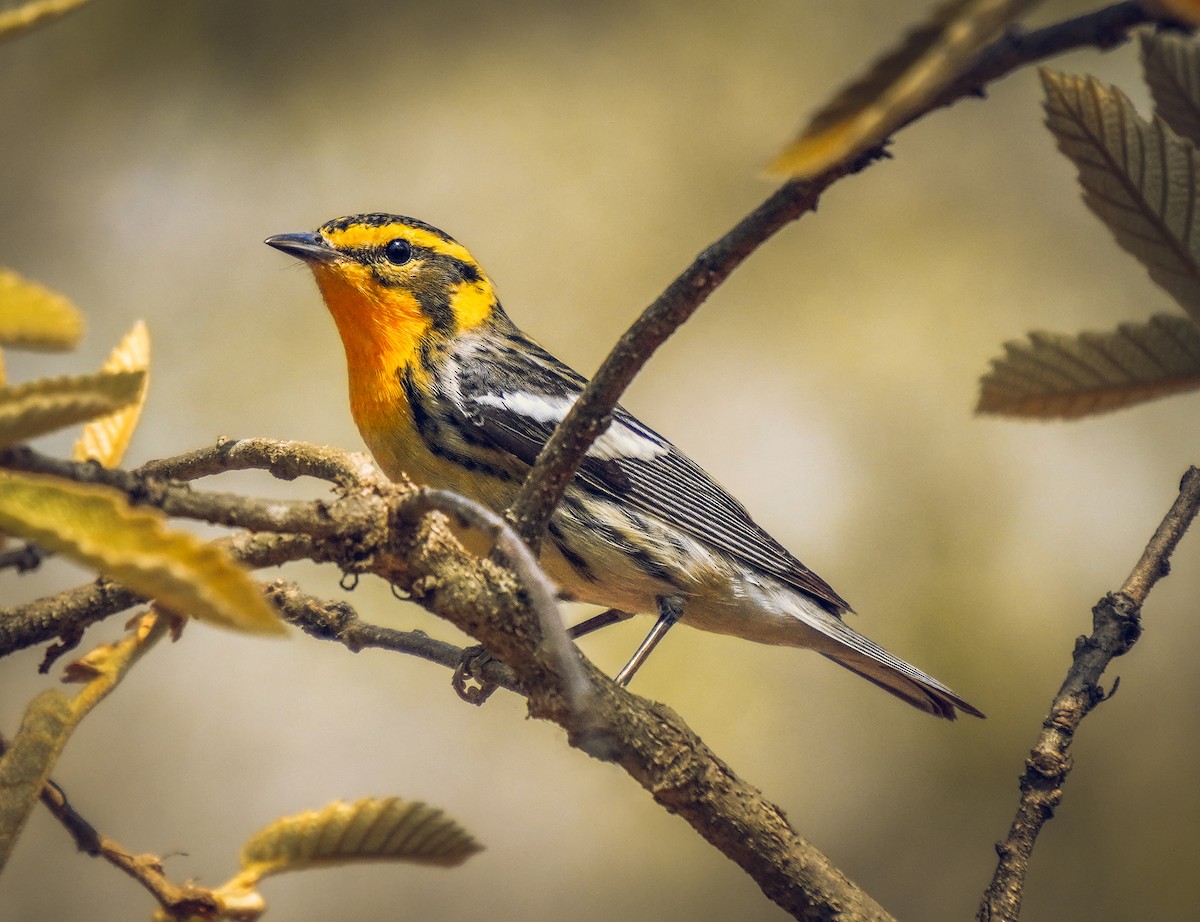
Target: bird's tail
(892, 674)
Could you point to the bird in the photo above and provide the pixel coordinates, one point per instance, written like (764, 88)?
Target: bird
(447, 391)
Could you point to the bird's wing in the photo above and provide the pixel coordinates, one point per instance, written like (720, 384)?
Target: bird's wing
(514, 400)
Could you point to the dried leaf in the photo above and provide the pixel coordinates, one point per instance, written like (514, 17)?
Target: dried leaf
(867, 111)
(1055, 376)
(371, 829)
(27, 763)
(41, 406)
(97, 527)
(1138, 177)
(1172, 67)
(105, 439)
(34, 317)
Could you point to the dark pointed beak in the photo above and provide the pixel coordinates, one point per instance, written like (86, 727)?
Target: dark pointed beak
(308, 247)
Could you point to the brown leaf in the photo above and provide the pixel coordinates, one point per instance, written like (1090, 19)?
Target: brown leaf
(1171, 64)
(1055, 376)
(34, 13)
(1138, 177)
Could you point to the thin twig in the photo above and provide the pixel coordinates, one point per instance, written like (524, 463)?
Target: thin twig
(564, 452)
(67, 614)
(339, 621)
(1116, 626)
(180, 500)
(185, 901)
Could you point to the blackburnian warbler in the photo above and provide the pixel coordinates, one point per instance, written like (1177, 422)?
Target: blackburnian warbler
(446, 390)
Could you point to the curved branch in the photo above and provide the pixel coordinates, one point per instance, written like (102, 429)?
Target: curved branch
(284, 460)
(1116, 625)
(538, 589)
(563, 453)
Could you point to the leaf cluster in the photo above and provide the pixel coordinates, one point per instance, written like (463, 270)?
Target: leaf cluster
(1139, 176)
(98, 526)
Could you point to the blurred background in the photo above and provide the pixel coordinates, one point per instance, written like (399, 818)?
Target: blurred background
(585, 152)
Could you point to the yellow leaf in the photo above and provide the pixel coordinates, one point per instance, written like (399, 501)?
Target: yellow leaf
(866, 112)
(371, 829)
(1138, 177)
(97, 527)
(34, 13)
(41, 406)
(1171, 63)
(34, 317)
(1055, 376)
(105, 439)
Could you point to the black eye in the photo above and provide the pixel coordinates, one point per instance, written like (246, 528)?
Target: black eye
(398, 251)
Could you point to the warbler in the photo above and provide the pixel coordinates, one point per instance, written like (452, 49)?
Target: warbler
(447, 390)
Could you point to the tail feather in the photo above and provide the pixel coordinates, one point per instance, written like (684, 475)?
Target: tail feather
(908, 683)
(924, 693)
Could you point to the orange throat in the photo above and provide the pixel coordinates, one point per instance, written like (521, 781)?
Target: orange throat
(380, 331)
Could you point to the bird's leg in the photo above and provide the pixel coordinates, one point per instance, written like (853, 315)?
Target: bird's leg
(594, 623)
(670, 610)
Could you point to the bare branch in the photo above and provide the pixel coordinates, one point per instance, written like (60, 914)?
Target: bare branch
(563, 453)
(67, 614)
(1155, 560)
(340, 622)
(180, 500)
(1116, 625)
(282, 459)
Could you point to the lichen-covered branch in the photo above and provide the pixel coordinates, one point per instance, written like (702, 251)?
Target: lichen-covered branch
(1116, 625)
(384, 529)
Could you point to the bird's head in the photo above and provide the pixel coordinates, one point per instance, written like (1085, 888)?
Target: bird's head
(390, 282)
